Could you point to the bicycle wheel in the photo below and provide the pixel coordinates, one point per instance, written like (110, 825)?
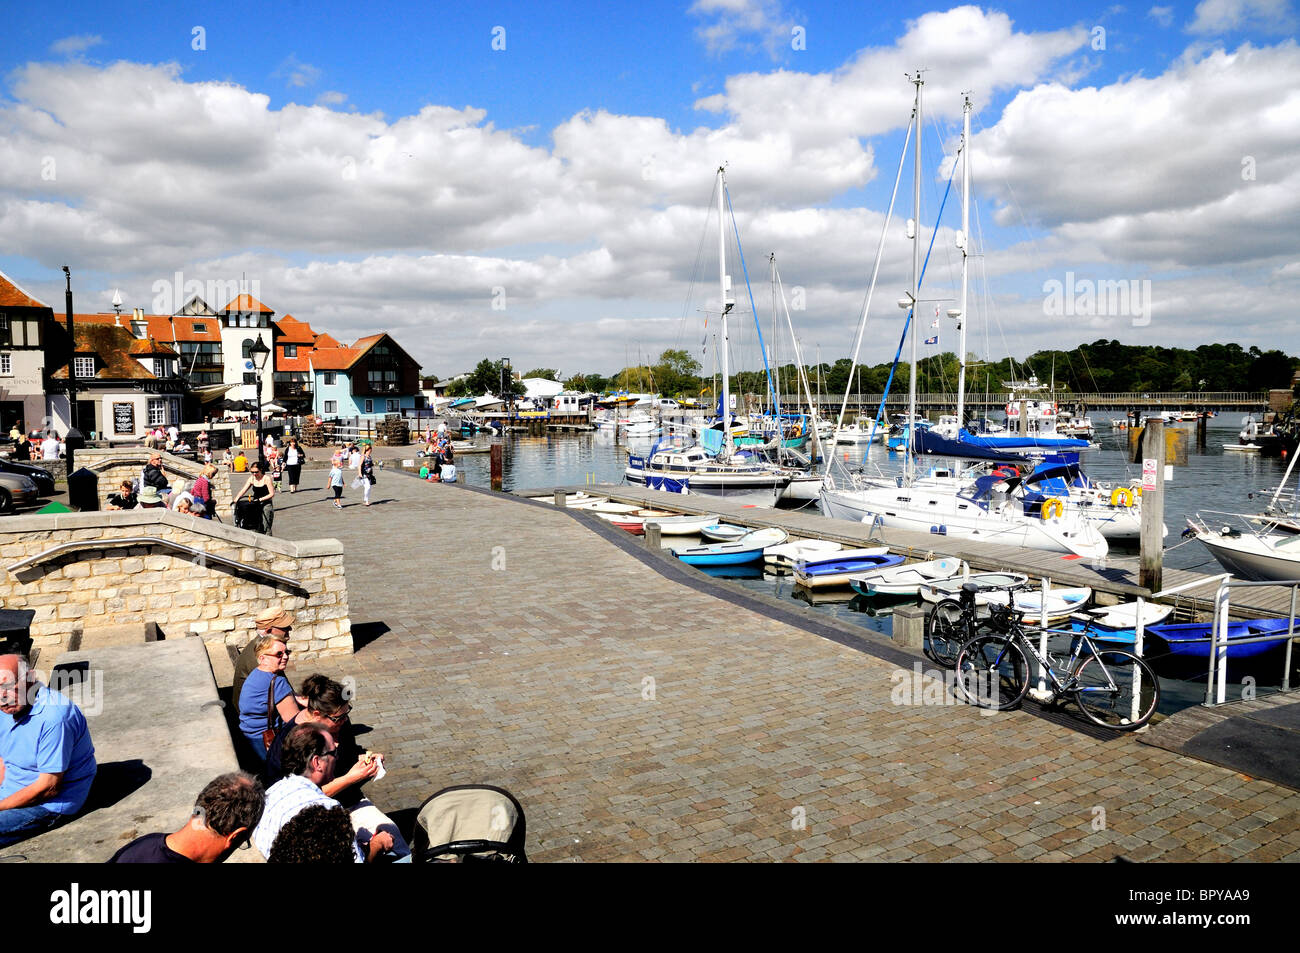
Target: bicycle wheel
(1108, 685)
(945, 631)
(992, 672)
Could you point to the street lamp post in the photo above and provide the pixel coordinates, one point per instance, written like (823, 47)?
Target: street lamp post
(259, 352)
(74, 439)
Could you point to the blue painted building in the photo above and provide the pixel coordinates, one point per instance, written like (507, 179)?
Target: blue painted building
(371, 378)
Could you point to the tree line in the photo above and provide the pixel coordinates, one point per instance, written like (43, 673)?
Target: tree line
(1102, 366)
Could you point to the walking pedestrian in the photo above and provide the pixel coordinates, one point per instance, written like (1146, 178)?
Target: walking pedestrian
(293, 463)
(366, 472)
(336, 481)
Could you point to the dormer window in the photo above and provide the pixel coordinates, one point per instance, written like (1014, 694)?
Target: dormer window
(83, 366)
(159, 367)
(199, 328)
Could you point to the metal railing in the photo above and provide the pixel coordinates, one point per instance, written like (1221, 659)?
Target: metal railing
(1216, 689)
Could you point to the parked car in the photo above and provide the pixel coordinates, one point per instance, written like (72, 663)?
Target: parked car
(38, 475)
(16, 490)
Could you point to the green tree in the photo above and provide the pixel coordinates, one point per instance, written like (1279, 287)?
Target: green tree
(547, 373)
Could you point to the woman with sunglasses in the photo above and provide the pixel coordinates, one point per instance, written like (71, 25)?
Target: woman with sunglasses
(329, 705)
(266, 699)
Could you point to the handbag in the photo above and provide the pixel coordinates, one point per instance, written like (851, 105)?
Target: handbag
(268, 736)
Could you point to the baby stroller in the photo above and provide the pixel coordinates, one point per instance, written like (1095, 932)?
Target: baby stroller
(470, 822)
(248, 515)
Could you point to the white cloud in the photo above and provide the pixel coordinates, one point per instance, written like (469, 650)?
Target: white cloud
(358, 222)
(1162, 15)
(297, 73)
(1222, 16)
(1188, 168)
(743, 23)
(75, 44)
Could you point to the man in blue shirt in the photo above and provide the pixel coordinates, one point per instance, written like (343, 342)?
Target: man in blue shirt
(47, 762)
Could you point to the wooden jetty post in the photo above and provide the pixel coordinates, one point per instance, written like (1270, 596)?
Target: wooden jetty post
(561, 499)
(652, 537)
(1202, 425)
(496, 465)
(1152, 459)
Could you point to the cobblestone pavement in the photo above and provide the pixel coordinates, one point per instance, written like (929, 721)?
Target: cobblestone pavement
(637, 718)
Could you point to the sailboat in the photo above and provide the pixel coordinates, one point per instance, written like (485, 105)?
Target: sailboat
(694, 469)
(985, 509)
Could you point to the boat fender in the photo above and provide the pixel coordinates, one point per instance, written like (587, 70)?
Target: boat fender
(939, 530)
(1053, 506)
(1121, 496)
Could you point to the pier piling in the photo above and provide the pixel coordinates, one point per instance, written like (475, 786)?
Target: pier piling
(497, 467)
(1151, 560)
(652, 537)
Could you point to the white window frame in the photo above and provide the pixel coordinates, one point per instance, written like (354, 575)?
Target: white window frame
(157, 412)
(83, 367)
(331, 406)
(6, 364)
(331, 378)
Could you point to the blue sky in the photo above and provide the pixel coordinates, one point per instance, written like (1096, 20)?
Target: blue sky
(539, 191)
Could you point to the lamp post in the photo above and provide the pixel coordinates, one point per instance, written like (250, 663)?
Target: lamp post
(259, 352)
(74, 439)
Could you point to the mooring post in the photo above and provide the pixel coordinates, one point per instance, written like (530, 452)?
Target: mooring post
(652, 539)
(1202, 424)
(1152, 458)
(496, 466)
(561, 499)
(909, 626)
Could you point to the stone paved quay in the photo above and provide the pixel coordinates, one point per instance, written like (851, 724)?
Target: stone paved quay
(533, 676)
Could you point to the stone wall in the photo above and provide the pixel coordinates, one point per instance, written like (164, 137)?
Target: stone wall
(127, 463)
(55, 468)
(113, 586)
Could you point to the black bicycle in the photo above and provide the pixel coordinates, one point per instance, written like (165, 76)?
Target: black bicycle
(952, 624)
(1114, 689)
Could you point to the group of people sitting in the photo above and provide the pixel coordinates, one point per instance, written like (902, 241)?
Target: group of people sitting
(307, 805)
(439, 460)
(151, 490)
(305, 745)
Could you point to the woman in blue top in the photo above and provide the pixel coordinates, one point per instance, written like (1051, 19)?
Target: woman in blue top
(267, 680)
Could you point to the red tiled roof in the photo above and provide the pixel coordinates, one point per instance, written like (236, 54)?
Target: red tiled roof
(163, 327)
(150, 347)
(293, 331)
(367, 342)
(12, 296)
(112, 345)
(326, 340)
(333, 358)
(247, 303)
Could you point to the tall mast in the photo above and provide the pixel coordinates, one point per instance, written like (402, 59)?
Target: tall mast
(963, 242)
(724, 287)
(916, 277)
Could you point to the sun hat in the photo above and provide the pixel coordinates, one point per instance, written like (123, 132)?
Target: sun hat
(149, 494)
(275, 616)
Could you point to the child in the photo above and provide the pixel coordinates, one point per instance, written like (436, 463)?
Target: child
(336, 481)
(424, 472)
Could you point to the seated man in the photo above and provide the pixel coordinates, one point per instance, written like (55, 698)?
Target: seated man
(47, 762)
(308, 760)
(153, 475)
(223, 819)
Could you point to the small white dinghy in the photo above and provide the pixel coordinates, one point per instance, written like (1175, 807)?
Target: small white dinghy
(1119, 623)
(1060, 602)
(571, 499)
(724, 532)
(907, 580)
(747, 549)
(605, 506)
(682, 525)
(787, 554)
